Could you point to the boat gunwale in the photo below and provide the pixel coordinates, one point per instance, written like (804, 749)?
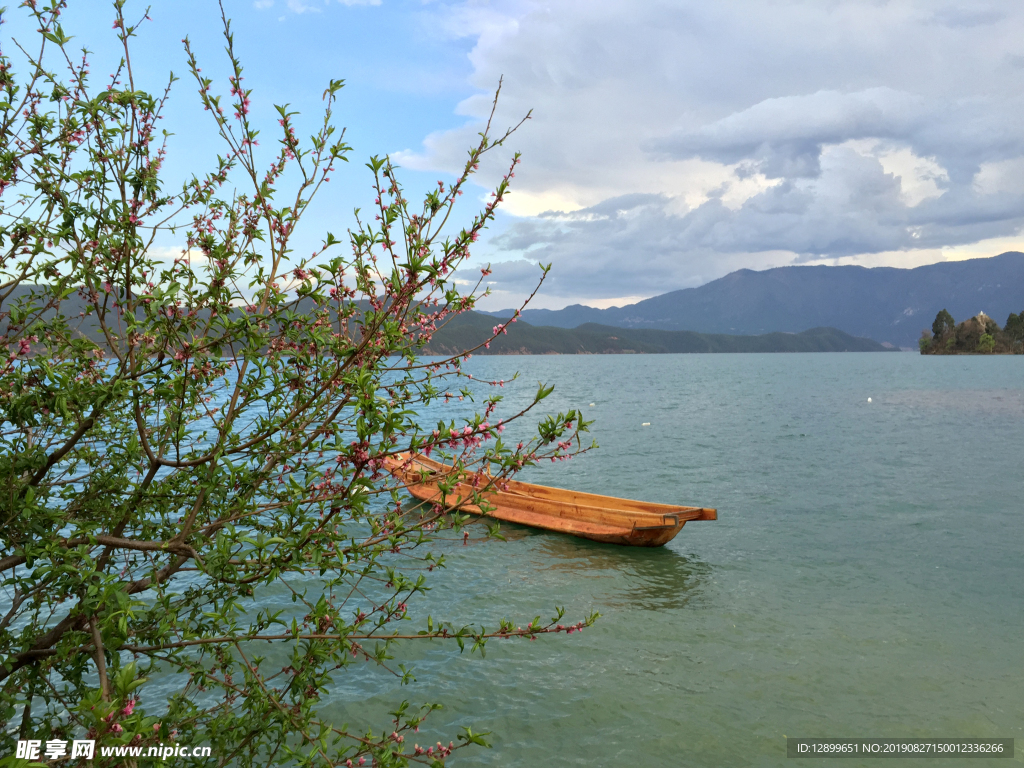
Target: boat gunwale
(556, 523)
(624, 519)
(625, 506)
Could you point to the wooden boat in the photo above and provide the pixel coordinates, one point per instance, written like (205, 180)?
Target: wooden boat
(588, 515)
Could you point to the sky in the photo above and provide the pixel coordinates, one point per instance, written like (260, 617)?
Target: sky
(669, 144)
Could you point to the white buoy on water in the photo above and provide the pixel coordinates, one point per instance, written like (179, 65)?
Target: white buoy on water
(869, 399)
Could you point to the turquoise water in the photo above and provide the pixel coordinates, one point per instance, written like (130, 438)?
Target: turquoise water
(865, 577)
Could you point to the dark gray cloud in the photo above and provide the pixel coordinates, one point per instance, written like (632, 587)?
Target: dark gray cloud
(968, 16)
(784, 136)
(852, 207)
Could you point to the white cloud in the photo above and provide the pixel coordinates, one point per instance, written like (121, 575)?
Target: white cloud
(300, 6)
(921, 178)
(1001, 176)
(304, 6)
(173, 253)
(688, 138)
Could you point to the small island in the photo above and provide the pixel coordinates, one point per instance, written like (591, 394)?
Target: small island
(979, 335)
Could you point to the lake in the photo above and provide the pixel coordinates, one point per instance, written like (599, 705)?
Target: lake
(865, 577)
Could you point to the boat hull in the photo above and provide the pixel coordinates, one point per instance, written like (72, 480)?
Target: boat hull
(606, 519)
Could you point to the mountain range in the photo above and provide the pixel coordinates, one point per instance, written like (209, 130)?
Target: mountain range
(887, 304)
(471, 329)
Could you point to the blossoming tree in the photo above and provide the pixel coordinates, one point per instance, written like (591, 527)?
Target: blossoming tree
(181, 439)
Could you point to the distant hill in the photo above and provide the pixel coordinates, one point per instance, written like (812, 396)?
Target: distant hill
(470, 329)
(884, 303)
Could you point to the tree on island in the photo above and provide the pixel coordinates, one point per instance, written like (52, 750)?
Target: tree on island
(206, 436)
(942, 336)
(944, 324)
(1015, 327)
